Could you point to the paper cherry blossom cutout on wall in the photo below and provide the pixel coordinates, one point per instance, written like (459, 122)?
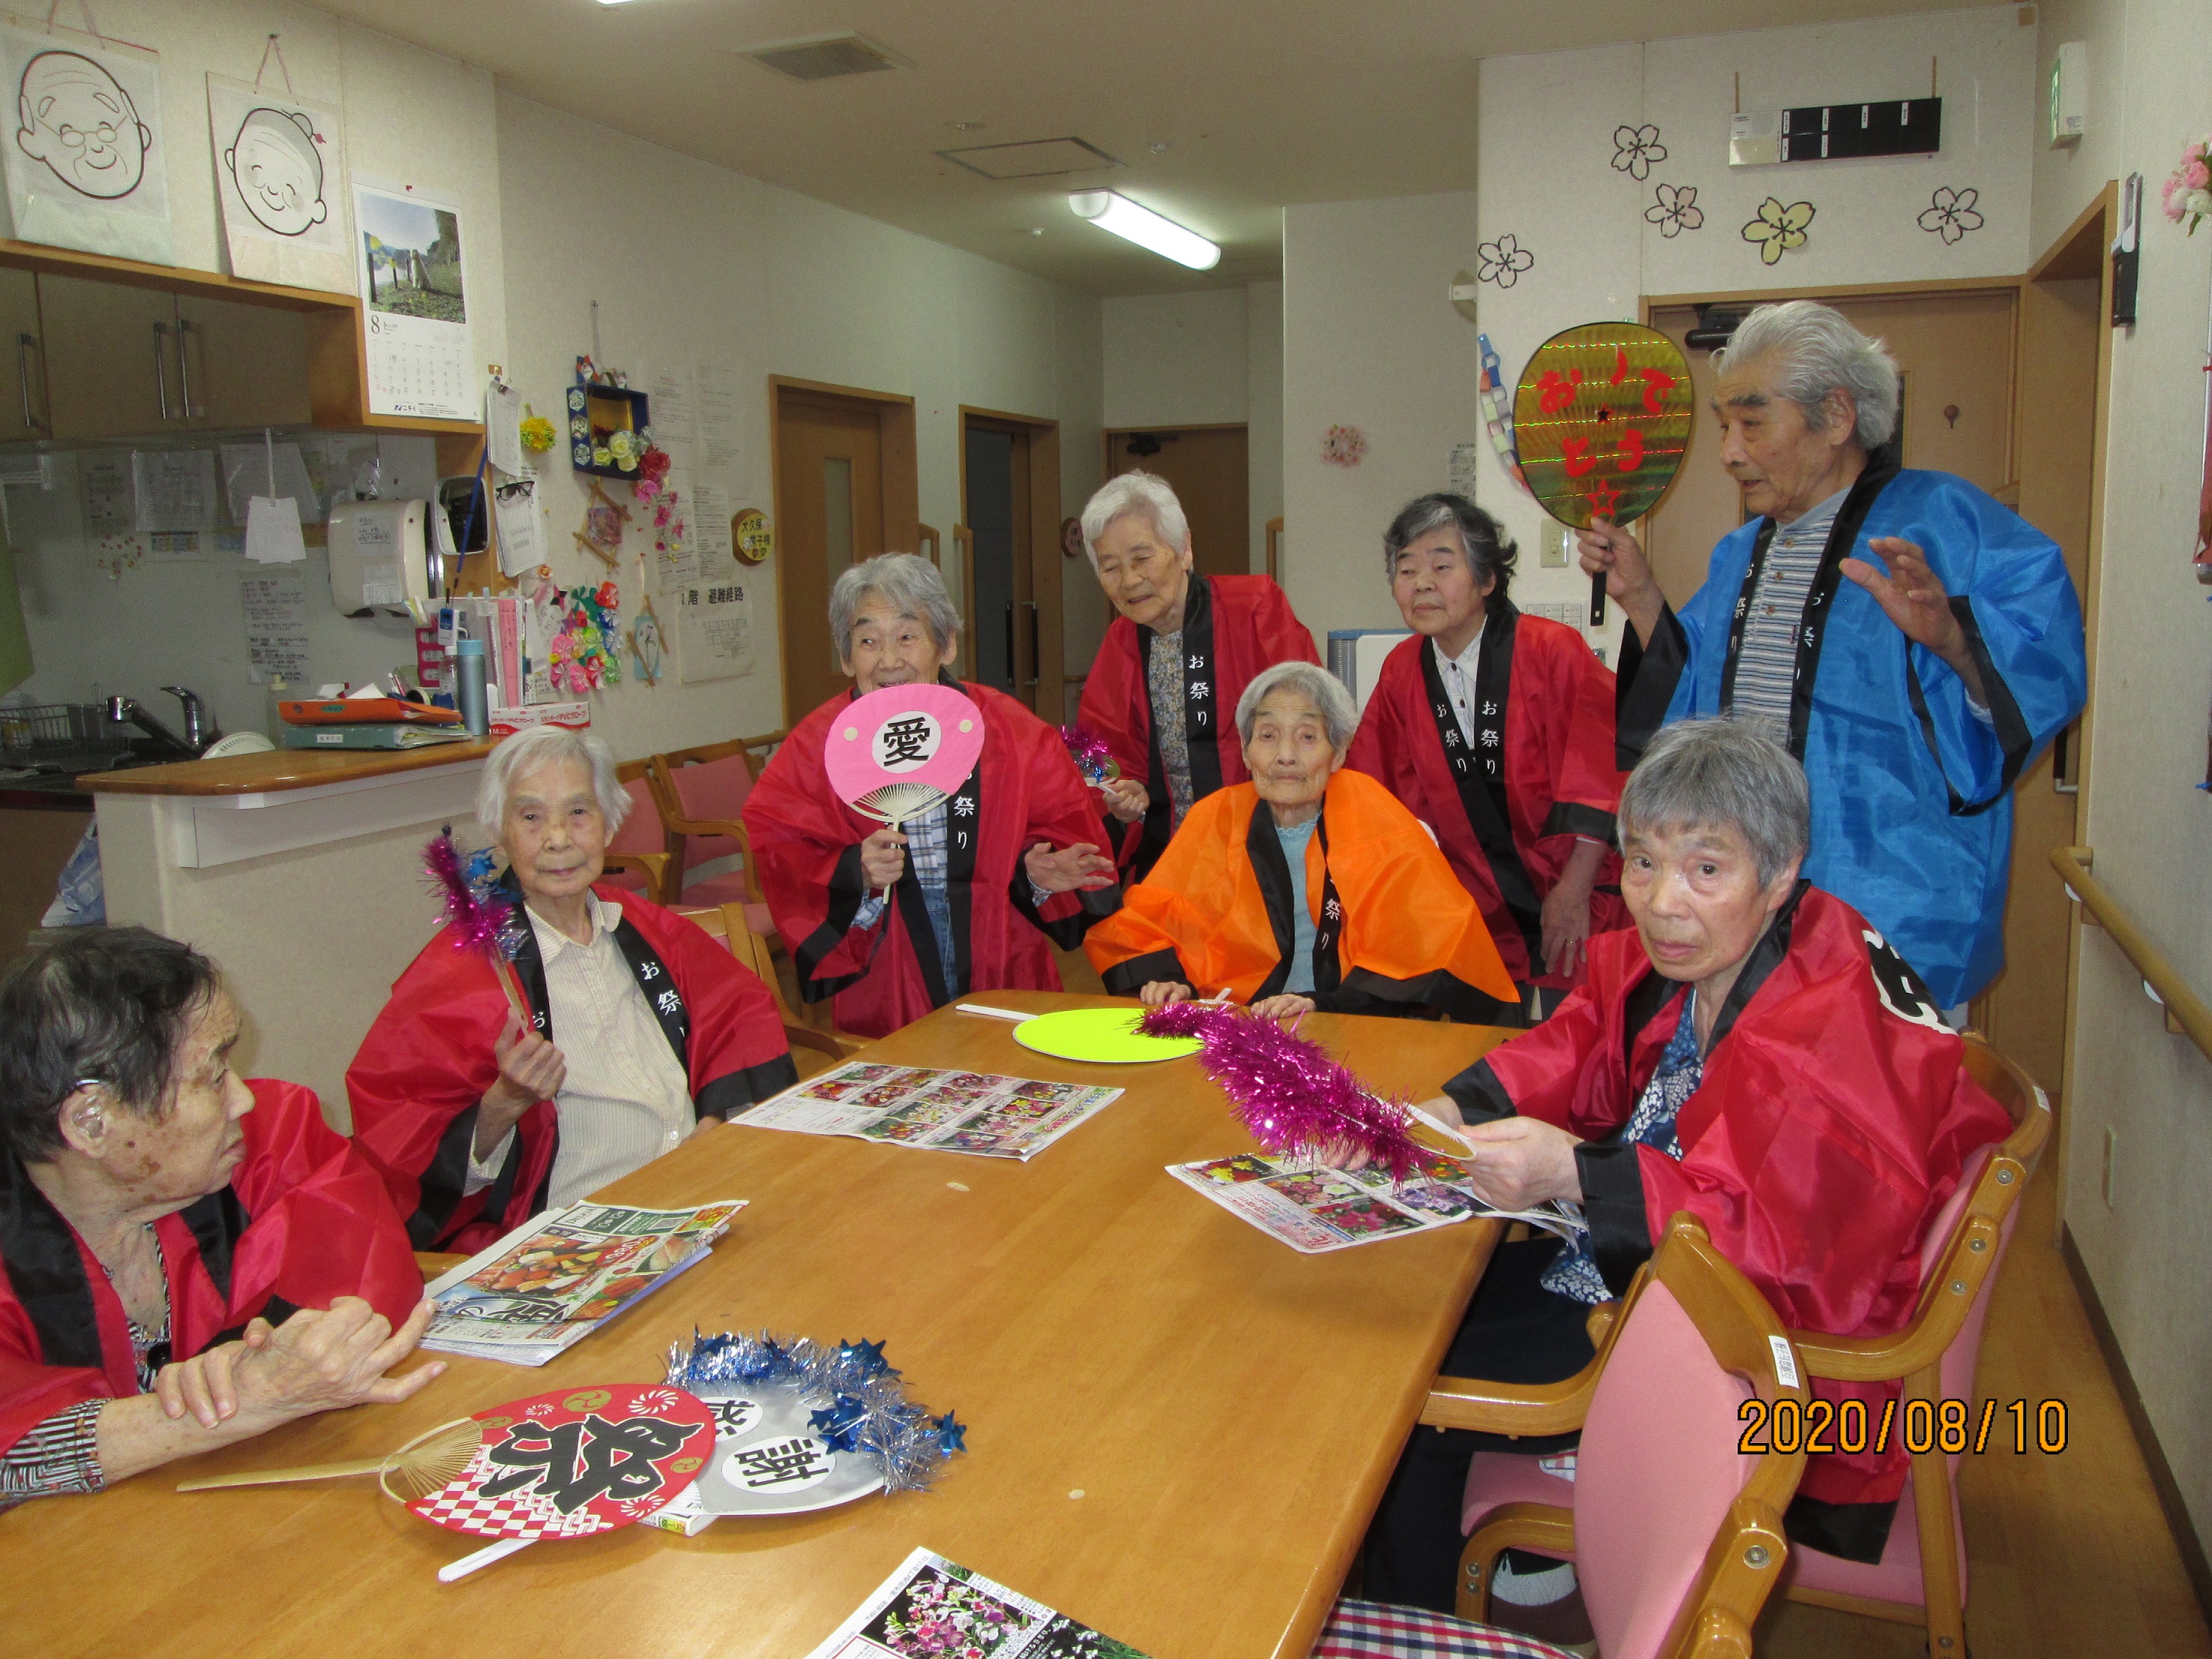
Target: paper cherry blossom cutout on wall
(1674, 209)
(1502, 261)
(1777, 229)
(1950, 213)
(1343, 446)
(1636, 150)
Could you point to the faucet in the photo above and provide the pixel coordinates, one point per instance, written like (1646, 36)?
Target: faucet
(200, 732)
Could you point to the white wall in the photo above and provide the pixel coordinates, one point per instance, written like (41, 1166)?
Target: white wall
(1263, 406)
(2150, 62)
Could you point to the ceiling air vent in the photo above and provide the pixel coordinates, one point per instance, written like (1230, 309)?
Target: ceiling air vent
(825, 57)
(1035, 158)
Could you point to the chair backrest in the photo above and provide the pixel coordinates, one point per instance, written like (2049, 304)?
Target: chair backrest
(1678, 1533)
(642, 830)
(713, 789)
(727, 922)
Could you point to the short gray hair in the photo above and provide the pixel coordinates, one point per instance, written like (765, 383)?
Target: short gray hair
(1320, 688)
(1483, 542)
(1716, 774)
(548, 745)
(1142, 493)
(907, 582)
(1819, 352)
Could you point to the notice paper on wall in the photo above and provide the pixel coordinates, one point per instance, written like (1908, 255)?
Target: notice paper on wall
(174, 490)
(1461, 472)
(414, 288)
(676, 558)
(521, 538)
(715, 609)
(105, 477)
(275, 625)
(718, 424)
(669, 402)
(503, 427)
(272, 530)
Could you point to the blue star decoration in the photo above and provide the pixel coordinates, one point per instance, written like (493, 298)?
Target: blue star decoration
(951, 1434)
(869, 1357)
(836, 1422)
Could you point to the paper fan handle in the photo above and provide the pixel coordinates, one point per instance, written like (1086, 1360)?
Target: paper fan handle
(274, 1477)
(1598, 600)
(483, 1558)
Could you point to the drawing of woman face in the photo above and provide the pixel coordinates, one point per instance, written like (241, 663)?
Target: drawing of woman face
(80, 123)
(279, 171)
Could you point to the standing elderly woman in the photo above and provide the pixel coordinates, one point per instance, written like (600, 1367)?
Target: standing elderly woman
(1179, 654)
(1916, 691)
(1496, 730)
(982, 887)
(191, 1260)
(1752, 1053)
(639, 1027)
(1309, 887)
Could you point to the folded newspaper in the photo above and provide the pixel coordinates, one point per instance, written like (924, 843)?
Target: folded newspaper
(975, 1112)
(1313, 1208)
(931, 1605)
(559, 1277)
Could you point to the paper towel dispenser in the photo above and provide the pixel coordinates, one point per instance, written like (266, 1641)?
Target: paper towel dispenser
(380, 558)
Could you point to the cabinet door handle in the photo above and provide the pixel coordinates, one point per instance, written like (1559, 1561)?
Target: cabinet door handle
(161, 369)
(23, 344)
(183, 367)
(1036, 629)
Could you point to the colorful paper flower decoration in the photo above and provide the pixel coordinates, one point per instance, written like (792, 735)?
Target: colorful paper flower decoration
(1635, 150)
(1777, 229)
(1502, 261)
(2187, 194)
(652, 465)
(538, 433)
(1674, 209)
(1950, 213)
(1343, 446)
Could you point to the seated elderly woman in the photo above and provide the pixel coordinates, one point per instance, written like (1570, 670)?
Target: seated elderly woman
(1752, 1053)
(191, 1260)
(1309, 887)
(981, 887)
(641, 1027)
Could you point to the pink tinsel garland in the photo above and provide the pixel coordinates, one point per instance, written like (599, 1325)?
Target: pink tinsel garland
(479, 922)
(1089, 752)
(1286, 1089)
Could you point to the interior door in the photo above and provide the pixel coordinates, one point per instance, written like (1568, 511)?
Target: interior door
(995, 489)
(112, 358)
(829, 514)
(1205, 467)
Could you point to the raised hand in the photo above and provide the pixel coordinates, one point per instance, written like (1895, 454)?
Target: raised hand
(324, 1361)
(1127, 798)
(531, 1069)
(882, 859)
(1911, 594)
(1080, 866)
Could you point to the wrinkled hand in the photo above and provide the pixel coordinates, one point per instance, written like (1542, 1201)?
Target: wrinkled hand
(1127, 798)
(1567, 910)
(1081, 865)
(882, 859)
(531, 1069)
(1605, 548)
(1911, 594)
(205, 1385)
(1163, 994)
(1518, 1163)
(324, 1361)
(1285, 1006)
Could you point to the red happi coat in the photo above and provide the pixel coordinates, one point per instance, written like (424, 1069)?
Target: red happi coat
(1834, 1117)
(1232, 628)
(429, 1057)
(1509, 823)
(1023, 790)
(303, 1222)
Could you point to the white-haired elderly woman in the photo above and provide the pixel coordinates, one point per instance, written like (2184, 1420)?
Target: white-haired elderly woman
(1175, 663)
(639, 1027)
(1752, 1053)
(1309, 887)
(1909, 638)
(982, 887)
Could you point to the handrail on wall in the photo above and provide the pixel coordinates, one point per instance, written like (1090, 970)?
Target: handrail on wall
(2186, 1010)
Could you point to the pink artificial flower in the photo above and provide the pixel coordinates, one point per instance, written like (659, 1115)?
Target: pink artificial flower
(2196, 175)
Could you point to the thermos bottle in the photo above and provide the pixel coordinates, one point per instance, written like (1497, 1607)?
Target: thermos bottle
(469, 685)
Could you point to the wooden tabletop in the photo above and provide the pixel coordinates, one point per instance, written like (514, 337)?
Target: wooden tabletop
(277, 770)
(1180, 1425)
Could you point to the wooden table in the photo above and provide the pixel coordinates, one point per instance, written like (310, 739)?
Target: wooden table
(1181, 1427)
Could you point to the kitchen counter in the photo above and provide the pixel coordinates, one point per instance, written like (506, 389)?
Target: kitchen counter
(278, 770)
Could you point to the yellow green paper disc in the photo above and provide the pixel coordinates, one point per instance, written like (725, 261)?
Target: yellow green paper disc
(1602, 419)
(1103, 1037)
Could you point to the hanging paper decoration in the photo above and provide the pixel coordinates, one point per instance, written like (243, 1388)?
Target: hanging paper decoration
(1502, 262)
(1286, 1089)
(646, 644)
(587, 652)
(1950, 213)
(1674, 209)
(609, 429)
(1343, 446)
(1497, 413)
(2186, 197)
(537, 433)
(1635, 150)
(603, 519)
(1777, 229)
(653, 465)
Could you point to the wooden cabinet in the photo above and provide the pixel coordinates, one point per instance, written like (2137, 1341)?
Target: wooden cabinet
(246, 366)
(111, 359)
(24, 414)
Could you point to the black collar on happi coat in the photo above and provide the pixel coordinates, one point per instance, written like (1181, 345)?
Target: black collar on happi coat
(1272, 868)
(1479, 770)
(1843, 535)
(1201, 679)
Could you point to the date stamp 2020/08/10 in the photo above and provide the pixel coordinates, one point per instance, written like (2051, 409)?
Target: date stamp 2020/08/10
(1949, 1426)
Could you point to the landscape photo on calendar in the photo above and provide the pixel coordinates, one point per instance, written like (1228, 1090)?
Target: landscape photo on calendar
(413, 254)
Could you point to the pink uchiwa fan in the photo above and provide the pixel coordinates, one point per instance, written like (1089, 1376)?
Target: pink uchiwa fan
(905, 749)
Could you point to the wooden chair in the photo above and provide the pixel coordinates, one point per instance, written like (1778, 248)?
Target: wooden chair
(1921, 1575)
(638, 856)
(1675, 1533)
(702, 794)
(727, 922)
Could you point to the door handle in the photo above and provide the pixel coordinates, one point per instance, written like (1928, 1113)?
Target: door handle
(23, 344)
(1013, 669)
(183, 367)
(1036, 628)
(161, 369)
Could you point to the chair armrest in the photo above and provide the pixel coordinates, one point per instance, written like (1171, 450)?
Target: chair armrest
(1543, 1526)
(435, 1262)
(832, 1043)
(656, 868)
(677, 824)
(1512, 1408)
(1601, 1321)
(1945, 1301)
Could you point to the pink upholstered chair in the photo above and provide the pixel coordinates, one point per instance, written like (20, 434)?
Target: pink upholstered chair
(1675, 1533)
(638, 856)
(702, 793)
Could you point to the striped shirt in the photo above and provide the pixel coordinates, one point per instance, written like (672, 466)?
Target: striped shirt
(1766, 664)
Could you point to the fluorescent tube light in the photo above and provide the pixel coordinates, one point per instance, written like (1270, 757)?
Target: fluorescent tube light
(1110, 211)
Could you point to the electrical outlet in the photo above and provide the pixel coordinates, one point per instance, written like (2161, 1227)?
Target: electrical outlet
(2112, 1156)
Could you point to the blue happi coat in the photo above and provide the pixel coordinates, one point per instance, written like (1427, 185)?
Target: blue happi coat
(1912, 791)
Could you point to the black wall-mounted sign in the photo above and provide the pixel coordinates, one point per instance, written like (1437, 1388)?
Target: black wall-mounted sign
(1831, 132)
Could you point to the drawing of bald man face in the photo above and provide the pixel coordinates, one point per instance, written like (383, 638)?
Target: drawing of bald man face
(80, 123)
(278, 171)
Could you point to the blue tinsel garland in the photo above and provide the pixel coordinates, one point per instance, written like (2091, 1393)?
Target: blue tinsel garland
(863, 1407)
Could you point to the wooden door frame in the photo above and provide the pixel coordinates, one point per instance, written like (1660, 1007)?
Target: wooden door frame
(1047, 690)
(902, 489)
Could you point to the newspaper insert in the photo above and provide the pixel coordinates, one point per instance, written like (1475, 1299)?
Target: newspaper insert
(932, 1606)
(559, 1277)
(976, 1112)
(1312, 1208)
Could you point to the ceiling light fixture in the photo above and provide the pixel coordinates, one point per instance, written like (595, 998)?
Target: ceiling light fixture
(1110, 211)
